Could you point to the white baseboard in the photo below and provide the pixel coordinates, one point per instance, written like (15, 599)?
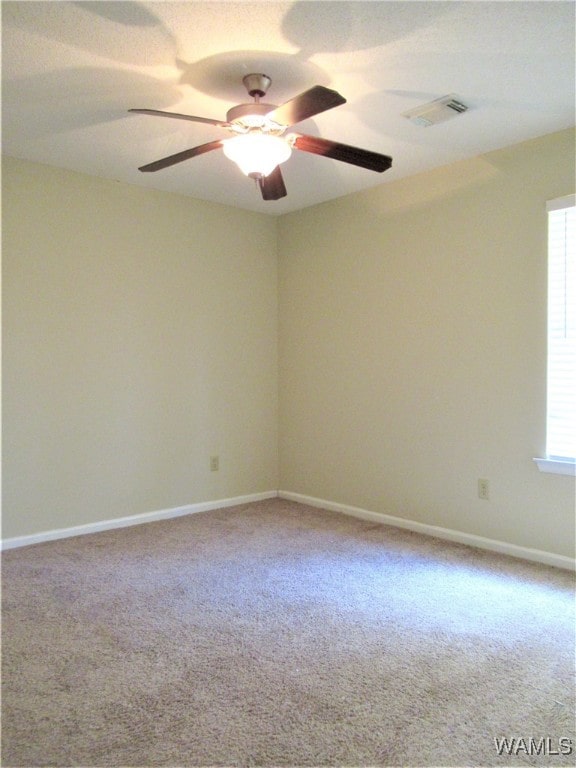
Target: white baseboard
(525, 553)
(123, 522)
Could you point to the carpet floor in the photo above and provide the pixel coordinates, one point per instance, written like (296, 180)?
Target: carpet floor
(276, 634)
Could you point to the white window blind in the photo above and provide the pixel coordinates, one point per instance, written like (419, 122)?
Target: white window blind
(561, 397)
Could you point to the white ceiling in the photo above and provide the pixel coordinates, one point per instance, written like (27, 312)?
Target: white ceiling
(71, 70)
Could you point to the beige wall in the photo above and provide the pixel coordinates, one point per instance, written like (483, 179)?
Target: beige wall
(141, 333)
(140, 337)
(412, 347)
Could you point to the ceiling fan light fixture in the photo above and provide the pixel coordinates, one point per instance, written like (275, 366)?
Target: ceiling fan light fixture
(257, 154)
(260, 144)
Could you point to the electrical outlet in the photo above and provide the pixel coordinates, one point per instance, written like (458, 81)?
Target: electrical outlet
(214, 463)
(483, 489)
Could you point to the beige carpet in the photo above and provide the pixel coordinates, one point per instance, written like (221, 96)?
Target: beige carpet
(275, 634)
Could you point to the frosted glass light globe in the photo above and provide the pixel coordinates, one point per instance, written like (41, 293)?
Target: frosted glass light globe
(257, 153)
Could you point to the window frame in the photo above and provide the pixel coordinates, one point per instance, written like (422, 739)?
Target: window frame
(559, 465)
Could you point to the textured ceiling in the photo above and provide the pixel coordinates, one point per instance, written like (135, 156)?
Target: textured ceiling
(71, 70)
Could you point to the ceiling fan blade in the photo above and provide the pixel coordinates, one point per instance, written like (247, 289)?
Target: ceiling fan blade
(178, 116)
(157, 165)
(347, 154)
(311, 102)
(272, 186)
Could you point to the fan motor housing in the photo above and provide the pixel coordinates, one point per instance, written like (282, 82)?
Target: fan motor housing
(250, 116)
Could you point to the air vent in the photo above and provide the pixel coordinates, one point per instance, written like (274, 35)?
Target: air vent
(436, 111)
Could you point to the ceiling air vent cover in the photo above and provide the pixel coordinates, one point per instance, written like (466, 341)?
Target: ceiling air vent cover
(436, 111)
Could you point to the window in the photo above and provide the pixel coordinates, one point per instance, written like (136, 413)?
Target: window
(561, 389)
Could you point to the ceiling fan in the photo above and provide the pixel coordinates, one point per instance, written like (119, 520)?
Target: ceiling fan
(259, 143)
